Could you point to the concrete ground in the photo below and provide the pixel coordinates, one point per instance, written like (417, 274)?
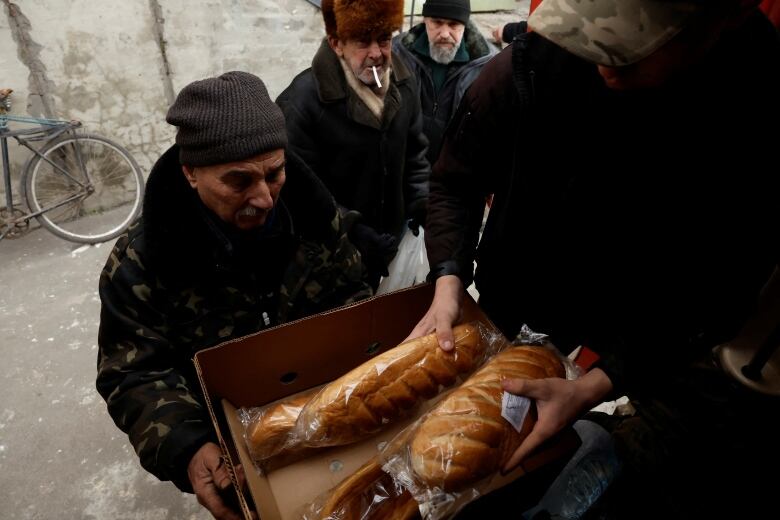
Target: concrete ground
(60, 454)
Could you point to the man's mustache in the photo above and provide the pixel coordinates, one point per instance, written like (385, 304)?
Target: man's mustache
(440, 41)
(374, 63)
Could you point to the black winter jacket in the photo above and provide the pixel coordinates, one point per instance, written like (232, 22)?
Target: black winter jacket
(439, 107)
(378, 169)
(639, 222)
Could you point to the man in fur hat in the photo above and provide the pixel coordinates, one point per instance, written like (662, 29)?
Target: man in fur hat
(446, 53)
(354, 117)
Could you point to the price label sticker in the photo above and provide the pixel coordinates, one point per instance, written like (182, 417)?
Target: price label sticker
(514, 408)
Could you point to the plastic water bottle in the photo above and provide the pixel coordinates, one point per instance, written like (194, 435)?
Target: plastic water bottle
(587, 481)
(584, 478)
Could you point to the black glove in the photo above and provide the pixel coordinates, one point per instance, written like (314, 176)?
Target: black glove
(414, 226)
(417, 219)
(376, 249)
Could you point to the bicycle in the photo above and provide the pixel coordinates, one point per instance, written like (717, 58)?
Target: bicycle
(82, 187)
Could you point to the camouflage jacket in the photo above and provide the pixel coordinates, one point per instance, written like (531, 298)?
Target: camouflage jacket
(177, 283)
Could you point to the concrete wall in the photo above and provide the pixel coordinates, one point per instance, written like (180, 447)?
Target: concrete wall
(252, 35)
(117, 64)
(476, 5)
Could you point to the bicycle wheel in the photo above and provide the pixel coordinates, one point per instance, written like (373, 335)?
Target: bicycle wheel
(89, 188)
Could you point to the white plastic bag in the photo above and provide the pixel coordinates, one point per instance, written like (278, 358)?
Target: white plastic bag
(410, 265)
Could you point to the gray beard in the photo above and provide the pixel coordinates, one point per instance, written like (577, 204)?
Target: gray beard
(442, 55)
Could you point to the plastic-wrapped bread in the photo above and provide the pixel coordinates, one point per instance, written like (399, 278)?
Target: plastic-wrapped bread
(380, 390)
(367, 494)
(465, 438)
(268, 432)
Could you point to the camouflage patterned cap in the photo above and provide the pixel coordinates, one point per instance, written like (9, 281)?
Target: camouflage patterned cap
(612, 32)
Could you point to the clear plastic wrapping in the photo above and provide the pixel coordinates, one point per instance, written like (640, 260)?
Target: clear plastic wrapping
(368, 494)
(448, 457)
(526, 336)
(267, 429)
(380, 391)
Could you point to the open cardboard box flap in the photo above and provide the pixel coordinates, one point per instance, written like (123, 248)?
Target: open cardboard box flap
(264, 367)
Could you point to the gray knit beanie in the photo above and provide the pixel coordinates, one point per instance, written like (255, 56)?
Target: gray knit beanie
(226, 119)
(458, 10)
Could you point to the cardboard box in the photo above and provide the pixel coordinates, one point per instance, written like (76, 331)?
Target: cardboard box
(278, 362)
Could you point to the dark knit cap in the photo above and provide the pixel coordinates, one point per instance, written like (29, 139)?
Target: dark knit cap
(458, 10)
(226, 119)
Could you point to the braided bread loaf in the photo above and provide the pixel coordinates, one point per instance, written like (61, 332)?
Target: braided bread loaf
(378, 391)
(465, 438)
(267, 434)
(369, 494)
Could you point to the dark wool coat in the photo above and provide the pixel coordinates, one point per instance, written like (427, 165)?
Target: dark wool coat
(376, 168)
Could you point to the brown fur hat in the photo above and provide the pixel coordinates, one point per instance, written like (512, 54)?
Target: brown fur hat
(329, 16)
(361, 19)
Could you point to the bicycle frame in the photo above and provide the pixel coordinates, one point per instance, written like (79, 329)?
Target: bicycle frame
(45, 129)
(86, 189)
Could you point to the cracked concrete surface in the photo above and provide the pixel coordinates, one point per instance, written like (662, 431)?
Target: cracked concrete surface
(40, 102)
(60, 454)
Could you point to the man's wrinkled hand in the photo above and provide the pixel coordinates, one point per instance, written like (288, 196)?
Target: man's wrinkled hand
(209, 477)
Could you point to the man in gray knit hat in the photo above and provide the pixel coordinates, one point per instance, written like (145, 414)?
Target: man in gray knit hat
(236, 235)
(446, 54)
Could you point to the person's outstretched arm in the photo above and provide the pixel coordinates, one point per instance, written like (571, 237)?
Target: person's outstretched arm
(444, 312)
(474, 155)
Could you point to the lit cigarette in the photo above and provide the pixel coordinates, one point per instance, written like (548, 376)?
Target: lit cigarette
(376, 78)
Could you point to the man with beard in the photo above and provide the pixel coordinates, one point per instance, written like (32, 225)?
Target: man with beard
(354, 118)
(446, 52)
